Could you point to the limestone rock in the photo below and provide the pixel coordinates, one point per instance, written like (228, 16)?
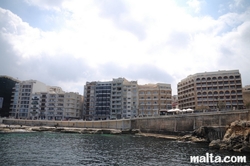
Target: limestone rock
(192, 139)
(236, 138)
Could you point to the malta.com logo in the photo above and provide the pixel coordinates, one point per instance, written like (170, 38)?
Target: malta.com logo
(210, 158)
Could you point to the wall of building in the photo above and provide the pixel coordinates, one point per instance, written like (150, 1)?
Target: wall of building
(211, 90)
(6, 87)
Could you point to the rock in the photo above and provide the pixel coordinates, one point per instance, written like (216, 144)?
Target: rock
(215, 144)
(192, 139)
(236, 138)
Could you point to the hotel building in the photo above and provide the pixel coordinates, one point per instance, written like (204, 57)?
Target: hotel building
(211, 90)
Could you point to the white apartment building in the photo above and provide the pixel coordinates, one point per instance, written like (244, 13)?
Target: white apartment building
(124, 99)
(22, 97)
(130, 99)
(35, 100)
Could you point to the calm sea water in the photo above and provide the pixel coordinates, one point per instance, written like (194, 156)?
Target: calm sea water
(45, 148)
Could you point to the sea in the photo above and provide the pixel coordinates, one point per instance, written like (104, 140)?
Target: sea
(68, 149)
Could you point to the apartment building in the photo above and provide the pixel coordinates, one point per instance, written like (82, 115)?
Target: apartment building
(72, 105)
(123, 98)
(22, 97)
(102, 100)
(175, 102)
(119, 98)
(246, 96)
(153, 98)
(89, 100)
(129, 99)
(6, 87)
(211, 90)
(35, 100)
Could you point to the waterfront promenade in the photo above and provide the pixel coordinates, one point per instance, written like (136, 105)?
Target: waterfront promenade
(157, 124)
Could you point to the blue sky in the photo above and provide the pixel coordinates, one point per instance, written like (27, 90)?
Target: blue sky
(68, 42)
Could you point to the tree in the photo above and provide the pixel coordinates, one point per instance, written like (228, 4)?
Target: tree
(202, 107)
(247, 105)
(221, 105)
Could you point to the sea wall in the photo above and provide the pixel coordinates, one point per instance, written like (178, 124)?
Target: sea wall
(170, 124)
(123, 124)
(188, 122)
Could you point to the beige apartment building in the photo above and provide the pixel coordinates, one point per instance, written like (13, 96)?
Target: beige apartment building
(246, 96)
(211, 90)
(153, 98)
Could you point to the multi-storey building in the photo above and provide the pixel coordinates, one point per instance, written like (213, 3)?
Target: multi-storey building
(53, 103)
(154, 98)
(72, 108)
(116, 98)
(6, 87)
(175, 102)
(102, 100)
(22, 97)
(211, 90)
(34, 100)
(89, 100)
(246, 96)
(129, 99)
(123, 98)
(119, 98)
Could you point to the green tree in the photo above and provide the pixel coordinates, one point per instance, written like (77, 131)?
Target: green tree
(221, 105)
(202, 107)
(247, 105)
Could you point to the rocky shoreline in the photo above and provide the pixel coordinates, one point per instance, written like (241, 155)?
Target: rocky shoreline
(19, 128)
(236, 138)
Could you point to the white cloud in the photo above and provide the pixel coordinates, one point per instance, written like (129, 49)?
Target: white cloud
(93, 44)
(195, 4)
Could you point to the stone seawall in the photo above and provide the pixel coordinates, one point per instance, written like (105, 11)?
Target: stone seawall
(123, 124)
(172, 124)
(185, 123)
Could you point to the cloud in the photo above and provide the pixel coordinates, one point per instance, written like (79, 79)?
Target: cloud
(195, 4)
(117, 11)
(100, 40)
(46, 4)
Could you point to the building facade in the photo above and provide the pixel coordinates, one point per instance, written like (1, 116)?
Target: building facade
(211, 90)
(175, 102)
(154, 98)
(22, 97)
(246, 96)
(102, 97)
(89, 100)
(119, 99)
(6, 87)
(35, 100)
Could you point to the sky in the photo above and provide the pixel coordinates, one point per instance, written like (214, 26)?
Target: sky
(66, 43)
